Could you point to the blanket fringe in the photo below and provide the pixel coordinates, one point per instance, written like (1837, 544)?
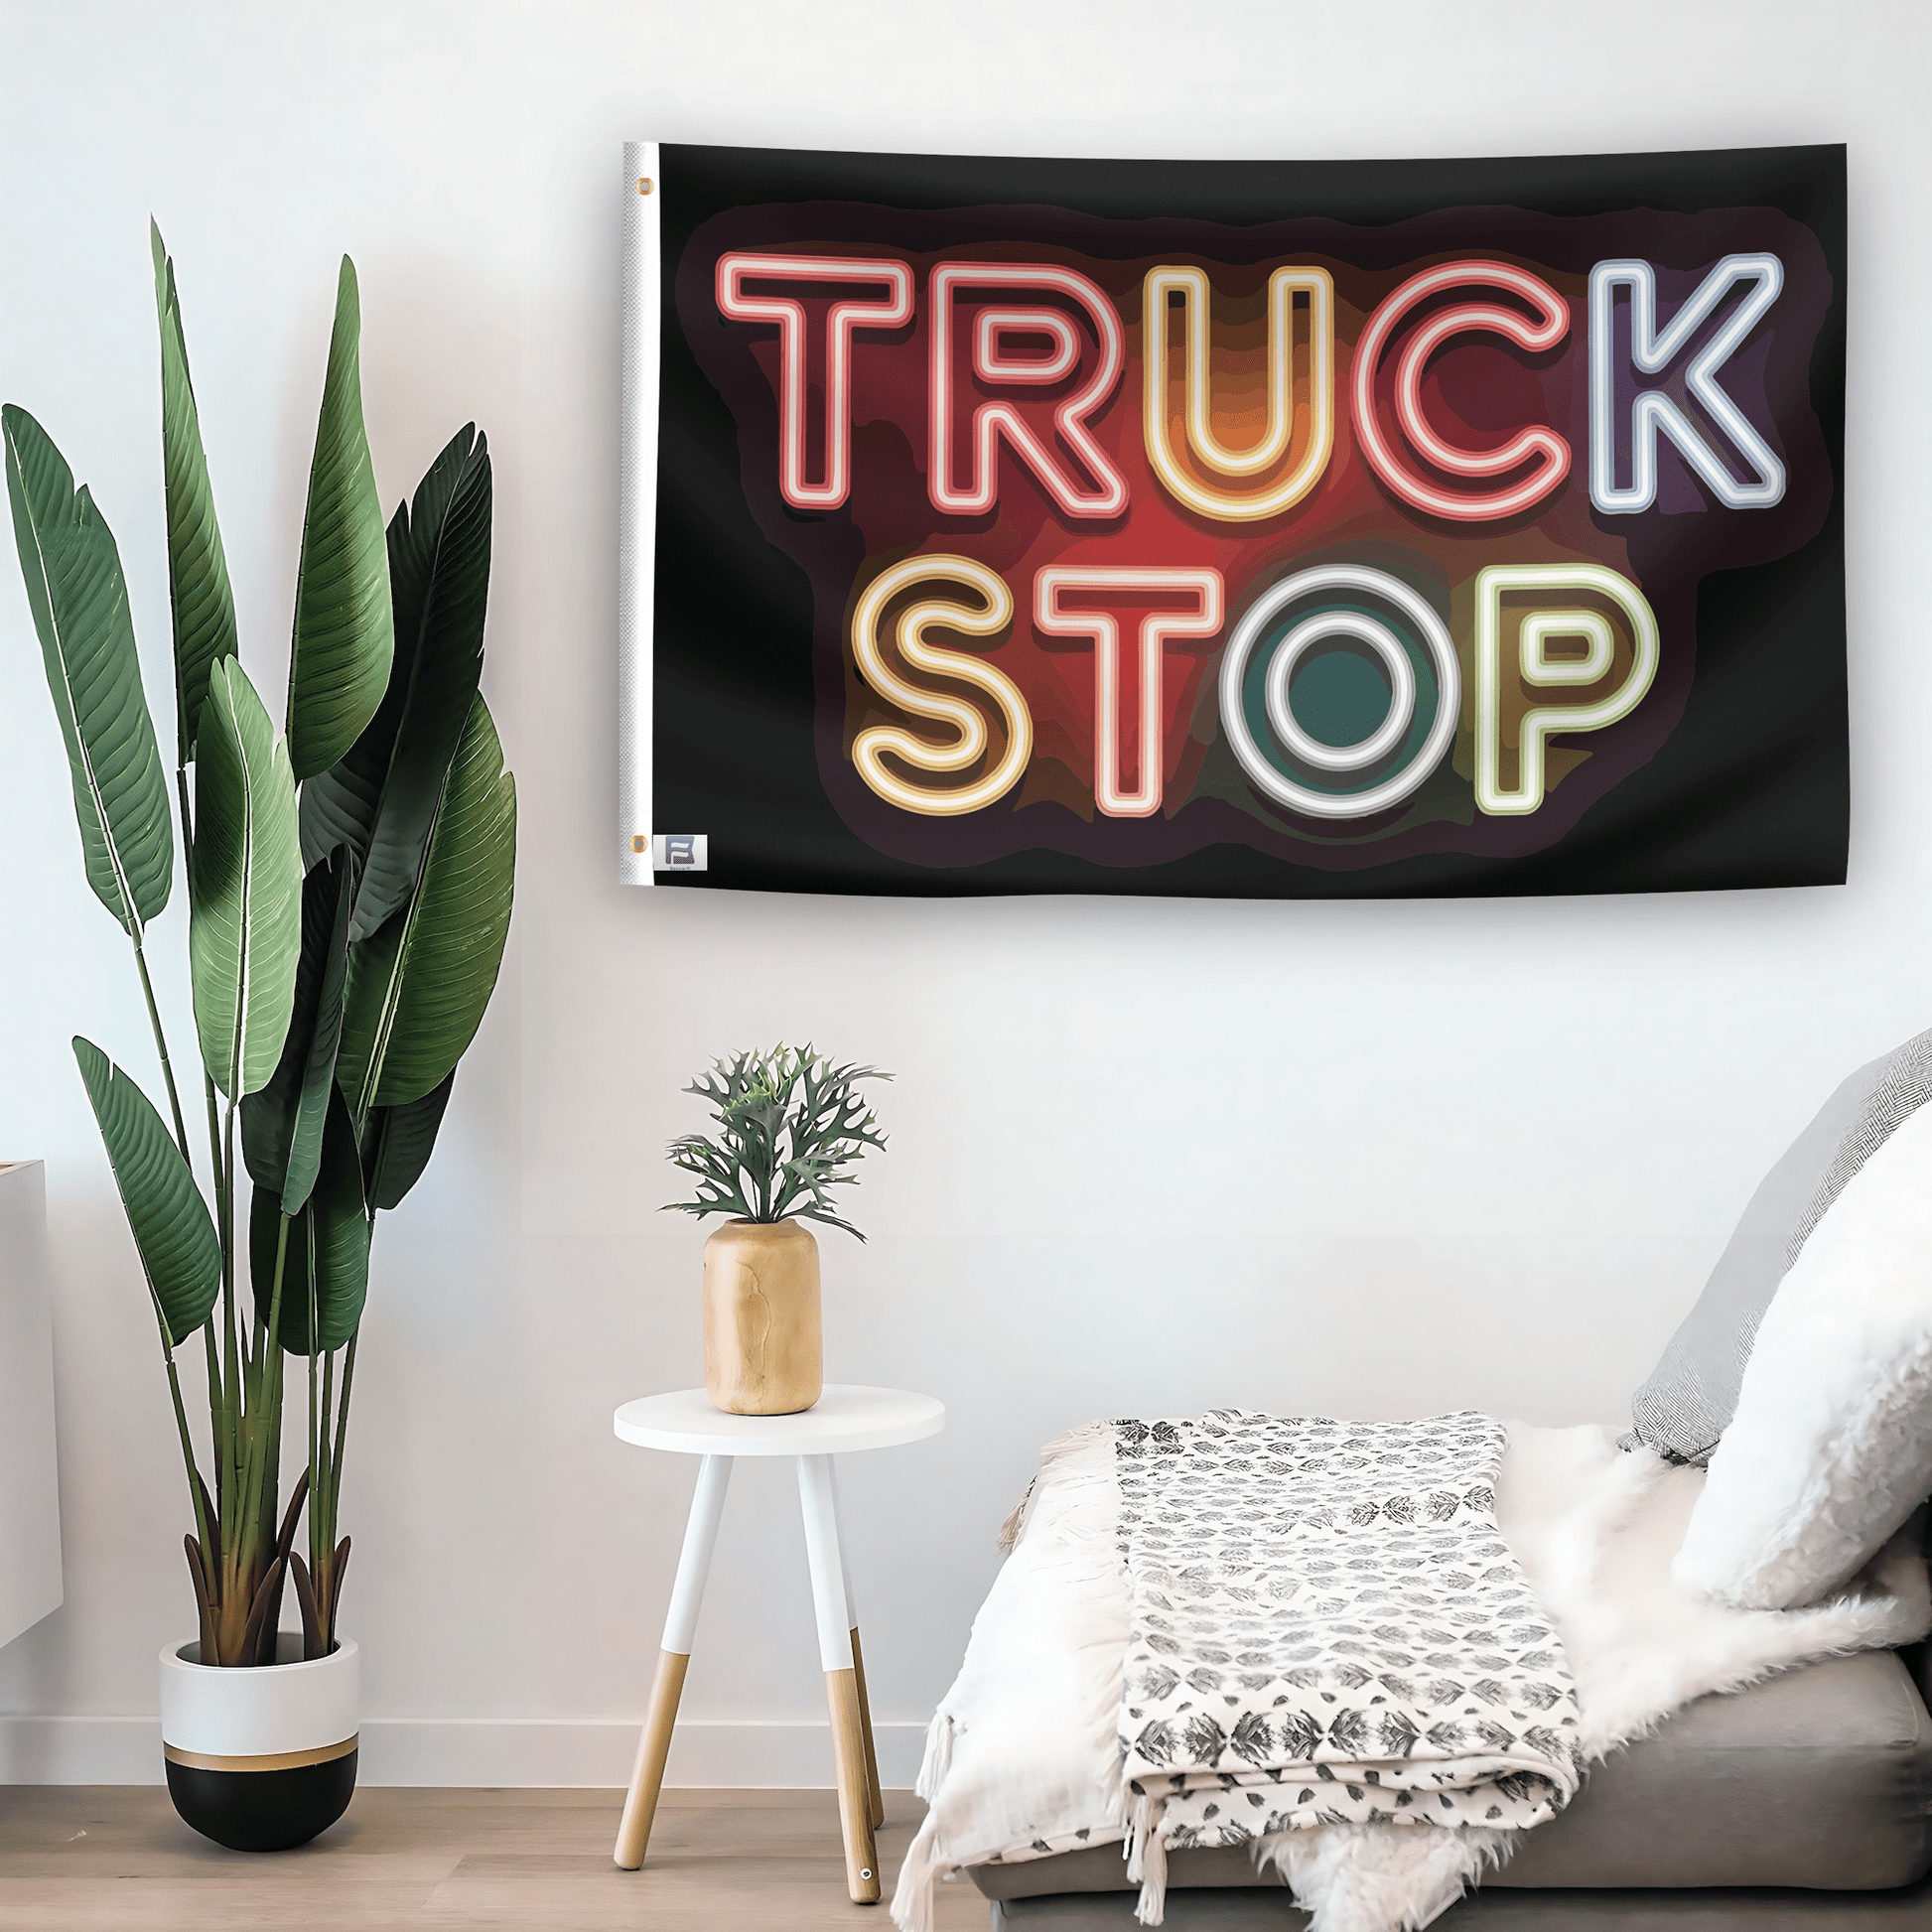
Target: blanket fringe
(939, 1756)
(1133, 1846)
(1145, 1852)
(1153, 1907)
(912, 1897)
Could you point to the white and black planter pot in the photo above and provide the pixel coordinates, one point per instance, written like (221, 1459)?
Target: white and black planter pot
(261, 1759)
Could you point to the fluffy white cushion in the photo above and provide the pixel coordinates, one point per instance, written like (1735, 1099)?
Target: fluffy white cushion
(1831, 1446)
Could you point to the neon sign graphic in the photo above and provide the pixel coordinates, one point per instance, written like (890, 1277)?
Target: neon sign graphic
(1127, 540)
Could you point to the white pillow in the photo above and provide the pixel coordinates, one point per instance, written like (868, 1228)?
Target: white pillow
(1831, 1446)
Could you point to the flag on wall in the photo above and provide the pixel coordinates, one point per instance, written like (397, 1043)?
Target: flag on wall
(1237, 529)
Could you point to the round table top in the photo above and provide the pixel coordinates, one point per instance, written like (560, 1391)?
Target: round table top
(843, 1417)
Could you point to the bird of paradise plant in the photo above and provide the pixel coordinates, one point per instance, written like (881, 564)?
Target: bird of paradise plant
(349, 884)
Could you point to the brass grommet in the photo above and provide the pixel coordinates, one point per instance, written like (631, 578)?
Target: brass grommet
(643, 184)
(639, 842)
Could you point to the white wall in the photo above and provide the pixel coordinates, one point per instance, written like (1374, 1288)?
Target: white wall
(1370, 1158)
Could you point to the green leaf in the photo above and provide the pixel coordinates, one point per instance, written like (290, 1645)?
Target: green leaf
(326, 1268)
(784, 1097)
(78, 599)
(417, 990)
(398, 1144)
(180, 1254)
(381, 797)
(198, 570)
(281, 1125)
(345, 636)
(244, 935)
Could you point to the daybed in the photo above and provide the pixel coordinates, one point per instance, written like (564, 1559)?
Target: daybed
(1803, 1804)
(1677, 1658)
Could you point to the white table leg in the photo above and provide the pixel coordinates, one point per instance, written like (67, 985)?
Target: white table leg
(858, 1666)
(819, 1506)
(680, 1625)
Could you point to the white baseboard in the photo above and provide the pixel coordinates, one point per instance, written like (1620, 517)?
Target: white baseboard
(487, 1751)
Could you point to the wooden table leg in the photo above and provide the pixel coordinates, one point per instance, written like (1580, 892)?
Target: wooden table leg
(854, 1801)
(680, 1625)
(859, 1667)
(876, 1796)
(820, 1512)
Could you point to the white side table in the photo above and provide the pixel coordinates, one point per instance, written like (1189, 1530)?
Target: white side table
(843, 1419)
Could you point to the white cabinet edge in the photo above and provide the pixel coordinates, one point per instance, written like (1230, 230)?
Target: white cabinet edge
(30, 1494)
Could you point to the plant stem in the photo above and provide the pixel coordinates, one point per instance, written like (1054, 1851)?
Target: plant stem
(268, 1411)
(216, 1396)
(315, 1436)
(230, 1342)
(187, 1451)
(161, 1048)
(322, 1515)
(233, 1411)
(221, 1423)
(321, 1507)
(328, 1591)
(216, 1433)
(341, 1429)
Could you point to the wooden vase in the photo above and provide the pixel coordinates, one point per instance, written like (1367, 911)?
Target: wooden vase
(763, 1347)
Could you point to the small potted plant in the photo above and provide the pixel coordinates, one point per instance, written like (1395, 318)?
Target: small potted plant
(790, 1126)
(348, 884)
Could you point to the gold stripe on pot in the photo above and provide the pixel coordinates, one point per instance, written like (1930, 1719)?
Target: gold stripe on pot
(268, 1761)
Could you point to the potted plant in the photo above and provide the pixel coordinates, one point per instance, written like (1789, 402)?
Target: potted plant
(790, 1126)
(349, 884)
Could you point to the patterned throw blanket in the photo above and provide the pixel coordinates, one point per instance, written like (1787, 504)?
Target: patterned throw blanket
(1326, 1627)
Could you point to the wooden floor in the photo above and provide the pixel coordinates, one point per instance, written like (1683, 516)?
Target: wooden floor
(77, 1858)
